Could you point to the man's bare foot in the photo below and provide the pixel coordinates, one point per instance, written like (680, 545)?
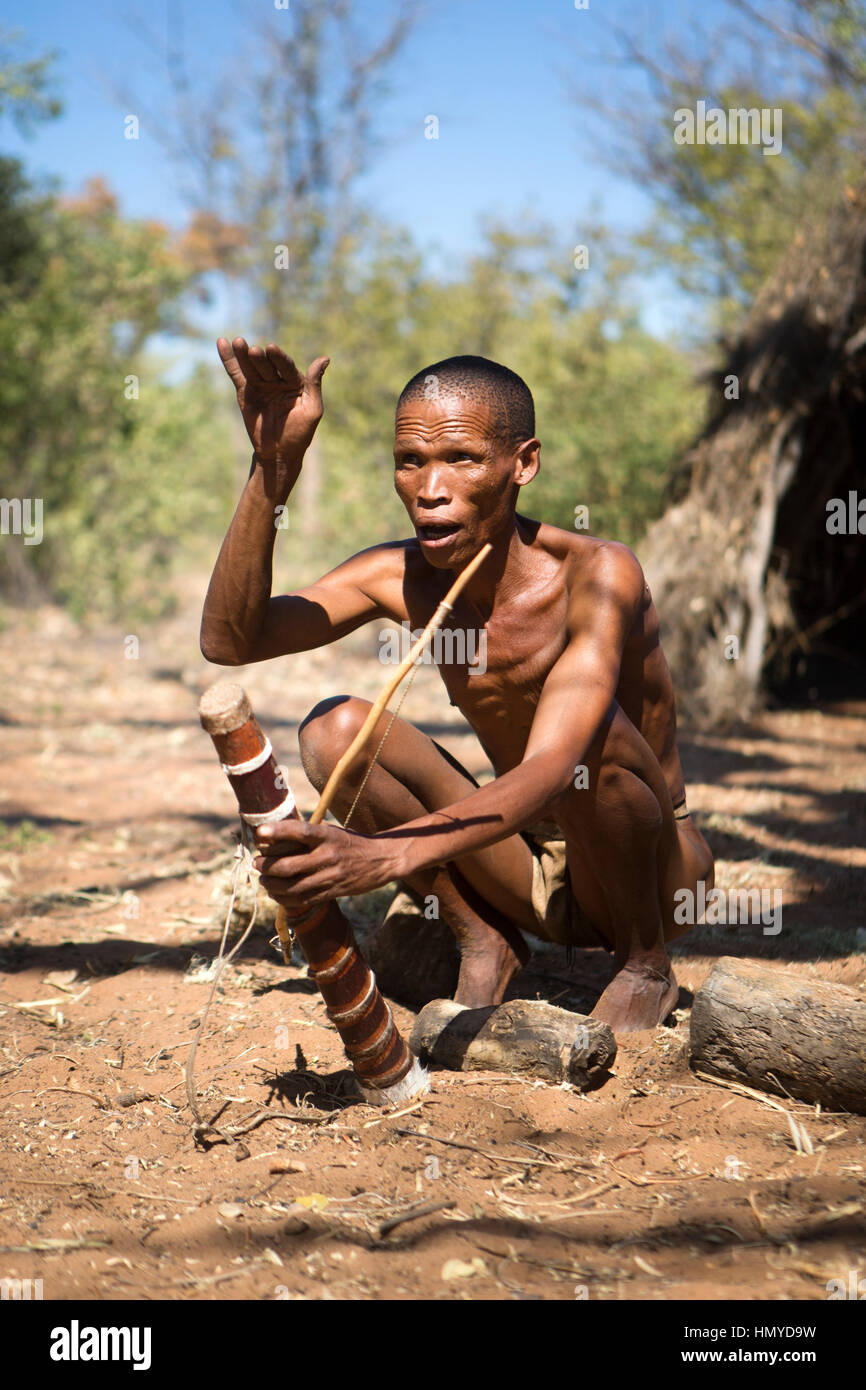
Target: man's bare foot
(637, 997)
(487, 963)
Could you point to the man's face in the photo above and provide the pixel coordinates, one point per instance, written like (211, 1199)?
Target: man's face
(454, 477)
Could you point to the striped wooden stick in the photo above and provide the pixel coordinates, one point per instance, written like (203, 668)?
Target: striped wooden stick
(387, 1071)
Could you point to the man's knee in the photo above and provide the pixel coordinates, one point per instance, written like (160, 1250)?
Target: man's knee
(610, 799)
(326, 732)
(627, 794)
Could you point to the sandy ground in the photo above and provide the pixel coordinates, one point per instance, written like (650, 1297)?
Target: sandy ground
(117, 836)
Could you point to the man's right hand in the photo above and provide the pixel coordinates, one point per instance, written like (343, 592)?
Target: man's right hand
(281, 406)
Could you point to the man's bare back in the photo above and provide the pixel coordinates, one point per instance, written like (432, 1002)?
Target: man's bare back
(573, 704)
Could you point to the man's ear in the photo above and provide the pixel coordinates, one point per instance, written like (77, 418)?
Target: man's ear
(527, 462)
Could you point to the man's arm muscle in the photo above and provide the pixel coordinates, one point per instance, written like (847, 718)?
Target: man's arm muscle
(582, 684)
(342, 600)
(334, 606)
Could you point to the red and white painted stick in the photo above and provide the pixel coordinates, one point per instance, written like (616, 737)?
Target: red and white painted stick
(387, 1071)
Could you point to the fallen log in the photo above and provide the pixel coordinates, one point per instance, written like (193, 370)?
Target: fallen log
(525, 1036)
(781, 1032)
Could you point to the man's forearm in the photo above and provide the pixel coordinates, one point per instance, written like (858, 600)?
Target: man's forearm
(497, 810)
(557, 744)
(240, 587)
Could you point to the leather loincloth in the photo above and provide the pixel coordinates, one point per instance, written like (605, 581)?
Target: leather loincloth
(556, 909)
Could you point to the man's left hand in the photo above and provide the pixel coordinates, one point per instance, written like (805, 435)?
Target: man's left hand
(303, 865)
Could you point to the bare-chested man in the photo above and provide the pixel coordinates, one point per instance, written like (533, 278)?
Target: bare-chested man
(583, 836)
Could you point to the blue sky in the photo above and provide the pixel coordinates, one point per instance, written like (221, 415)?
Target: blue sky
(494, 72)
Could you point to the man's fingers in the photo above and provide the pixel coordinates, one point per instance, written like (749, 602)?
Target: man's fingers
(230, 361)
(263, 366)
(291, 861)
(284, 871)
(247, 364)
(288, 876)
(316, 371)
(283, 883)
(297, 901)
(279, 836)
(283, 365)
(254, 361)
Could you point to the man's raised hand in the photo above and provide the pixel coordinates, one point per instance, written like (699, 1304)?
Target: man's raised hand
(281, 406)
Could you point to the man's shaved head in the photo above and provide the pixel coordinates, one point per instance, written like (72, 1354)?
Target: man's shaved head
(502, 391)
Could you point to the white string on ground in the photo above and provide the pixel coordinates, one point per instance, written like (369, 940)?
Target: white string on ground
(244, 858)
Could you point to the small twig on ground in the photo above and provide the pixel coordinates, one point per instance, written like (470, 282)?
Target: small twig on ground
(635, 1149)
(559, 1201)
(472, 1148)
(799, 1135)
(28, 1004)
(289, 1116)
(570, 1159)
(49, 1245)
(518, 1257)
(52, 1182)
(72, 1091)
(397, 1114)
(759, 1215)
(412, 1214)
(742, 1091)
(652, 1182)
(201, 1281)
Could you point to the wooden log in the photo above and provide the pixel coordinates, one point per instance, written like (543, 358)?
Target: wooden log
(524, 1036)
(781, 1032)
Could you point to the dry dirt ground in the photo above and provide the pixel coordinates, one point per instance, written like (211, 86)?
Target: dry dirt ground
(117, 834)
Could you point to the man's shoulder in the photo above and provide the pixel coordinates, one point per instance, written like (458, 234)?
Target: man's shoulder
(386, 558)
(586, 556)
(380, 571)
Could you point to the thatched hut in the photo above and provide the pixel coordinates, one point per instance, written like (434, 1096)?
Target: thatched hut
(758, 575)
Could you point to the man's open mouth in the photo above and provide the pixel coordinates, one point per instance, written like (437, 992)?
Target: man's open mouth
(437, 532)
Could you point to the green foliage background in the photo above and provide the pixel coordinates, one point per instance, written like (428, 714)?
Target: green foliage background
(132, 487)
(136, 490)
(614, 406)
(123, 481)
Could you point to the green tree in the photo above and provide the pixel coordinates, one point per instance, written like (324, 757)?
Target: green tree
(122, 464)
(725, 212)
(26, 93)
(269, 158)
(121, 467)
(358, 290)
(615, 407)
